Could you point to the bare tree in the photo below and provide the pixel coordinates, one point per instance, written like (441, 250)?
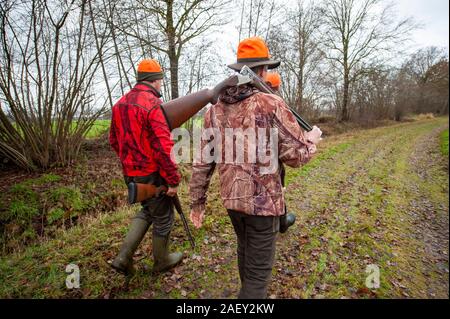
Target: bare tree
(428, 67)
(360, 33)
(174, 24)
(374, 96)
(257, 18)
(295, 43)
(405, 93)
(47, 74)
(438, 86)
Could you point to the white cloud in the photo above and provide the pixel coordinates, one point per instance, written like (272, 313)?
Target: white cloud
(433, 15)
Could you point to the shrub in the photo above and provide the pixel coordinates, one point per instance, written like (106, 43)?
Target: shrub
(60, 103)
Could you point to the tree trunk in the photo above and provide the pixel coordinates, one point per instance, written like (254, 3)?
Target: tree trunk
(172, 53)
(173, 74)
(344, 112)
(299, 102)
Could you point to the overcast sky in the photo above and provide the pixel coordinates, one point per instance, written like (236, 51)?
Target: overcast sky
(433, 14)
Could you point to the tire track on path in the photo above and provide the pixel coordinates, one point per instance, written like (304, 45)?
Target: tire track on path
(350, 214)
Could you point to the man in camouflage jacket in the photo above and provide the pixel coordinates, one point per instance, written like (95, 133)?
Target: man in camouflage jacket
(252, 195)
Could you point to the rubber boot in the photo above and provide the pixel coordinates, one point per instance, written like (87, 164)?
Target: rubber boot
(286, 221)
(123, 263)
(162, 259)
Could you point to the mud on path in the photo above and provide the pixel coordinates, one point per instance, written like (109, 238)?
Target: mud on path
(431, 222)
(382, 200)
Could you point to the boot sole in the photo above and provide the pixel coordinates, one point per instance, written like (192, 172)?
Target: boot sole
(166, 268)
(122, 271)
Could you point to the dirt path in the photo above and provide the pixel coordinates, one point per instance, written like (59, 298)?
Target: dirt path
(376, 198)
(382, 201)
(431, 222)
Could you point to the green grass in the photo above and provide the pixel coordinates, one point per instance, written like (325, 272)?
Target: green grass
(40, 271)
(100, 127)
(444, 143)
(352, 203)
(316, 161)
(23, 210)
(47, 201)
(70, 199)
(357, 213)
(27, 202)
(97, 129)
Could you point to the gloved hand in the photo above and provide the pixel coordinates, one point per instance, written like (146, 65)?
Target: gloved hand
(197, 217)
(172, 191)
(312, 149)
(233, 80)
(314, 135)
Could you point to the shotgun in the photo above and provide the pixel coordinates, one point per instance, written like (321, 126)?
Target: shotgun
(177, 204)
(179, 110)
(263, 87)
(138, 192)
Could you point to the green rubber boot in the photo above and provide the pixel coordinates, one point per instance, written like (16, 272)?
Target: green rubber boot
(123, 263)
(162, 259)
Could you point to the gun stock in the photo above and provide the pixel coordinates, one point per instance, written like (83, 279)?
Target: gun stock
(178, 111)
(138, 192)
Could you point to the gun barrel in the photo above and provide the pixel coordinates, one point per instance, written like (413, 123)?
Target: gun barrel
(263, 87)
(138, 192)
(178, 111)
(177, 204)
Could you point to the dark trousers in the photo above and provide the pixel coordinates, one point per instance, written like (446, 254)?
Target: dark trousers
(256, 236)
(157, 210)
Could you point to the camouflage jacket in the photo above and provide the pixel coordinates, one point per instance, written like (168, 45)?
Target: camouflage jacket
(243, 186)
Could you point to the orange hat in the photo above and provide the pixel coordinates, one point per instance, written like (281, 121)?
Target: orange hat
(274, 79)
(149, 70)
(253, 52)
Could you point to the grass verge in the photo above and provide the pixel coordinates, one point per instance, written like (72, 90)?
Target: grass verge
(444, 143)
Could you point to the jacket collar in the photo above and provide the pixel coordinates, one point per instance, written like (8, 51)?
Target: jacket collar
(144, 86)
(236, 94)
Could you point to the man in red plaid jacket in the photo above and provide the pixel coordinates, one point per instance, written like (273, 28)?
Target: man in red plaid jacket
(141, 138)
